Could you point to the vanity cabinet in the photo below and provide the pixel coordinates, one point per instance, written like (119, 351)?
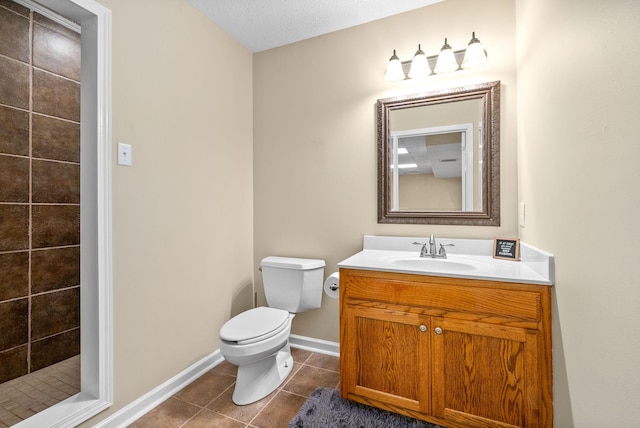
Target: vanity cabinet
(452, 351)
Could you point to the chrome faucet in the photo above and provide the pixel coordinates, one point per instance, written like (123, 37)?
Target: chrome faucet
(431, 252)
(432, 245)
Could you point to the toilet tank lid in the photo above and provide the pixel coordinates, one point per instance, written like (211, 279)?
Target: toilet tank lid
(292, 263)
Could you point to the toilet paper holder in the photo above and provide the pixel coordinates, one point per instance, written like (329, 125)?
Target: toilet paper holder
(332, 284)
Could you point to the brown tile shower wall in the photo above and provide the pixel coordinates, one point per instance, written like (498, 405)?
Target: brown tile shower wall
(39, 191)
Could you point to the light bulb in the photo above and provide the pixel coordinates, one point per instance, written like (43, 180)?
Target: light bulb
(475, 55)
(394, 69)
(446, 60)
(419, 65)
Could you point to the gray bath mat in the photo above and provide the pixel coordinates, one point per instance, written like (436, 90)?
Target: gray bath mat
(326, 409)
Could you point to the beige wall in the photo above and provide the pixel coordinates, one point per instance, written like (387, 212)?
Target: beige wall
(182, 214)
(578, 149)
(314, 134)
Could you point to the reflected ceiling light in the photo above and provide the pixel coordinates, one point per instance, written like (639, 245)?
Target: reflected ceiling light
(419, 65)
(394, 69)
(446, 61)
(405, 166)
(475, 55)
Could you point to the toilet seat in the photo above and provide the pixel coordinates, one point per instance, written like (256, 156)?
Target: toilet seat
(254, 325)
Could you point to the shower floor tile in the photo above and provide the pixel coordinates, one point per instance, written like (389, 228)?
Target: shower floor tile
(27, 395)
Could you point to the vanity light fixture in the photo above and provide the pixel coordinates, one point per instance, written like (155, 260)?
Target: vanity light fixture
(446, 61)
(475, 55)
(394, 68)
(419, 65)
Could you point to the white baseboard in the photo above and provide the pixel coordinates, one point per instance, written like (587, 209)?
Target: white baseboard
(315, 345)
(138, 408)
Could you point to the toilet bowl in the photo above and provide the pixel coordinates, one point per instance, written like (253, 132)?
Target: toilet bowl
(260, 350)
(257, 340)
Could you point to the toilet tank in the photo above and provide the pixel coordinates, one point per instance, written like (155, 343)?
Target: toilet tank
(292, 284)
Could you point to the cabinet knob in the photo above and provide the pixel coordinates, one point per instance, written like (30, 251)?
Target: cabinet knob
(423, 328)
(438, 330)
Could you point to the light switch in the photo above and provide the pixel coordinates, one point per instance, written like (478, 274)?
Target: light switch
(124, 154)
(521, 214)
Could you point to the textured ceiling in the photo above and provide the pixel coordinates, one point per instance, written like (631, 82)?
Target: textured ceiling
(264, 24)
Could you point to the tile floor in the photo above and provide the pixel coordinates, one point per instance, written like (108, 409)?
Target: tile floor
(25, 396)
(207, 401)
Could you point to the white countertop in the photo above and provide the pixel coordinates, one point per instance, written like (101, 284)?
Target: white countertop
(380, 252)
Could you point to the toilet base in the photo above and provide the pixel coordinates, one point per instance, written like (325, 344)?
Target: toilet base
(257, 380)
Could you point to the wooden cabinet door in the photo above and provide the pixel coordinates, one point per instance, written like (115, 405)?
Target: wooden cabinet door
(484, 375)
(386, 358)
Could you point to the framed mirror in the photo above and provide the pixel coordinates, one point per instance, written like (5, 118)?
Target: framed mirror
(439, 157)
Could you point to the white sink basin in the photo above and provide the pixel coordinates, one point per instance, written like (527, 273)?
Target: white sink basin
(434, 265)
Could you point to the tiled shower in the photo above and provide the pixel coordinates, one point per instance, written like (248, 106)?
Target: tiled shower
(39, 191)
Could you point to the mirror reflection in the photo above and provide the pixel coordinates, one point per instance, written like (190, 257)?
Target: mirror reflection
(438, 155)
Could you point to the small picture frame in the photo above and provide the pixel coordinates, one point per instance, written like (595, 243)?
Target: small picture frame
(506, 249)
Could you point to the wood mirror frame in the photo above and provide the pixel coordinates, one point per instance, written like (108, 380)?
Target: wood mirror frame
(489, 215)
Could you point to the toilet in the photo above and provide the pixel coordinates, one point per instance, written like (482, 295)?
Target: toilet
(257, 340)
